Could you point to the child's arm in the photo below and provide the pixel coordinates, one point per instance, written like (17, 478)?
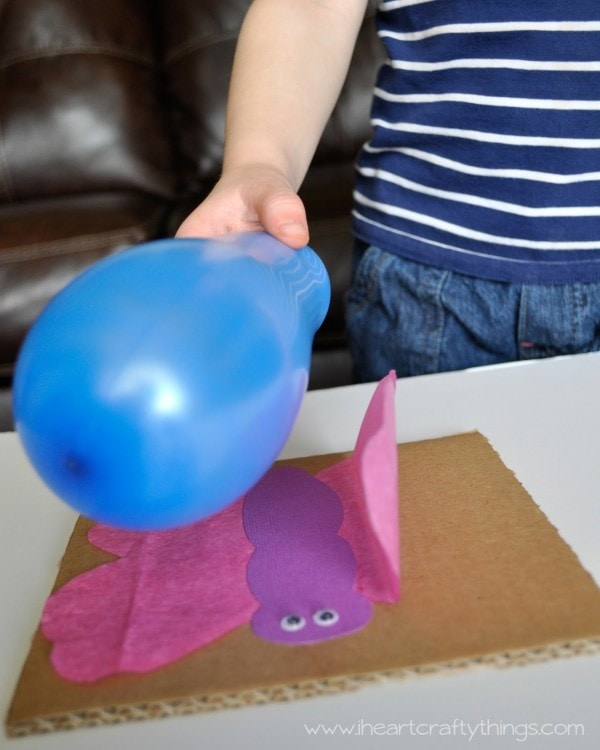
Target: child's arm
(290, 63)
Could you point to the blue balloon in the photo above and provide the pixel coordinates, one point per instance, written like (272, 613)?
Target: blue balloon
(162, 383)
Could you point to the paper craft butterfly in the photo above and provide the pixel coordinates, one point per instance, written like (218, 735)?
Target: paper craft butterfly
(300, 557)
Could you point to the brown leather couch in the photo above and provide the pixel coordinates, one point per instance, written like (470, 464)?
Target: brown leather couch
(111, 130)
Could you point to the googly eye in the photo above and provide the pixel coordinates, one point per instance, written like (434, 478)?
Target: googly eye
(291, 623)
(325, 617)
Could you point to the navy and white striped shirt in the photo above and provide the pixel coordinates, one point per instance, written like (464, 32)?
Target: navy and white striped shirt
(485, 154)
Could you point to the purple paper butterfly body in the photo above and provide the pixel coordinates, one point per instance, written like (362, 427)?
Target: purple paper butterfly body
(302, 572)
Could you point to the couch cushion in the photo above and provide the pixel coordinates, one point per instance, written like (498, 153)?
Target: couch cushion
(44, 244)
(199, 41)
(81, 106)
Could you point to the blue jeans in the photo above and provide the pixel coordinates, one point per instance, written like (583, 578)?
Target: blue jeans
(418, 319)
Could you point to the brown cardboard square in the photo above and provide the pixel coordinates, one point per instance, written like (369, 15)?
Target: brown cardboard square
(485, 579)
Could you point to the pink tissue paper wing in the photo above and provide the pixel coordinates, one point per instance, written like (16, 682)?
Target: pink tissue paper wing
(171, 593)
(368, 483)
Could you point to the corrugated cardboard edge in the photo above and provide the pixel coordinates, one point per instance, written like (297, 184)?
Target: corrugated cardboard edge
(283, 693)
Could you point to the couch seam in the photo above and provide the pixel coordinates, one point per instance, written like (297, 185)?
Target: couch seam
(75, 50)
(63, 247)
(198, 44)
(6, 183)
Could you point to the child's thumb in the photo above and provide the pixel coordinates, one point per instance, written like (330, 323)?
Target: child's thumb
(284, 216)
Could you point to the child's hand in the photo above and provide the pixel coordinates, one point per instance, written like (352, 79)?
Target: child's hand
(249, 199)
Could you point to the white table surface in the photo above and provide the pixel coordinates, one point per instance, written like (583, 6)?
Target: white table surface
(544, 419)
